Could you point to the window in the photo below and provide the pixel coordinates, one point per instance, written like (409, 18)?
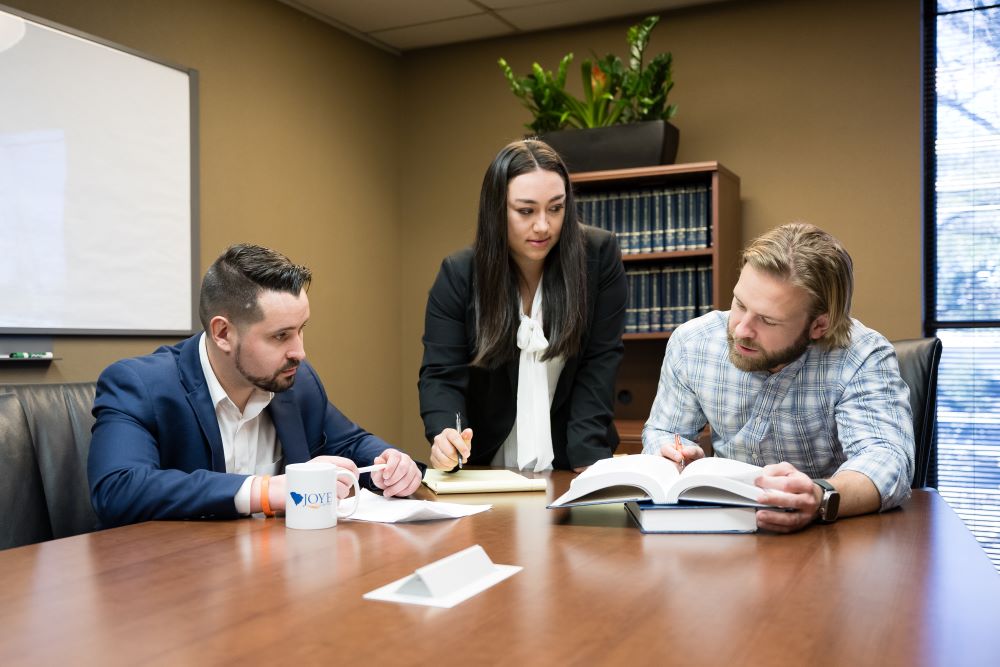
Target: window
(962, 168)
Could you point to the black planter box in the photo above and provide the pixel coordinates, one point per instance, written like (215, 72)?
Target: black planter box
(617, 146)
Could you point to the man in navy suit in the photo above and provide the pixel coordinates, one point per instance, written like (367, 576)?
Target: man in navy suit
(203, 428)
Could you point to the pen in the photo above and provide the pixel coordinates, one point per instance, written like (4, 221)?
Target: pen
(458, 427)
(372, 468)
(680, 449)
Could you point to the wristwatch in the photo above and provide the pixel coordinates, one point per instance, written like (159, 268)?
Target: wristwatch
(829, 506)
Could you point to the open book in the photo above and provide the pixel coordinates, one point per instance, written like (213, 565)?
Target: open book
(647, 477)
(481, 481)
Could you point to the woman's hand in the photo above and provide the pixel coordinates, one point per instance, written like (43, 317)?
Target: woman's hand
(448, 445)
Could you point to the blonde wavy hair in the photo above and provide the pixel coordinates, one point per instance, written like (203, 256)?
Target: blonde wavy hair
(807, 257)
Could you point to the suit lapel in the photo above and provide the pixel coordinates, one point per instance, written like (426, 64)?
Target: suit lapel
(200, 400)
(201, 403)
(288, 426)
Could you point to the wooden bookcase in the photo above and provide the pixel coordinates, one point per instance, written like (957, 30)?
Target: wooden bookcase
(640, 369)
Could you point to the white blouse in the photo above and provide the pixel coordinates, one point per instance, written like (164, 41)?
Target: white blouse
(529, 444)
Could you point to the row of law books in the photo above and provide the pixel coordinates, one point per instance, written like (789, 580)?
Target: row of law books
(656, 220)
(661, 297)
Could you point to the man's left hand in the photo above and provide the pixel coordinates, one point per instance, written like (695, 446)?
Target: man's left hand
(785, 486)
(400, 477)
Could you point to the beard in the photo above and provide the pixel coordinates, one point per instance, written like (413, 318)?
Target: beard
(274, 383)
(765, 361)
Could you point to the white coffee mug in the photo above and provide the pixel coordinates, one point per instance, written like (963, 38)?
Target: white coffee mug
(311, 497)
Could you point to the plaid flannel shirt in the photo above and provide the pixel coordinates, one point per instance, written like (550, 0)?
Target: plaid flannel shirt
(827, 411)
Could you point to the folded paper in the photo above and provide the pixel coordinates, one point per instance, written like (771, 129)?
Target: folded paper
(446, 582)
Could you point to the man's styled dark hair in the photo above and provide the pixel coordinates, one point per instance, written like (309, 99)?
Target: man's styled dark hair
(232, 285)
(564, 281)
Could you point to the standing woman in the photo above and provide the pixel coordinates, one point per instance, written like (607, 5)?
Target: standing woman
(523, 331)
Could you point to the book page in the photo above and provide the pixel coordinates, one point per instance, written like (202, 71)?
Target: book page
(717, 480)
(652, 474)
(720, 467)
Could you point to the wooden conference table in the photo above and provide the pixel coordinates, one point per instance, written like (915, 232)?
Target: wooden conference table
(910, 587)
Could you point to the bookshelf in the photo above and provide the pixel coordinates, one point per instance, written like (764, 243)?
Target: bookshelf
(679, 228)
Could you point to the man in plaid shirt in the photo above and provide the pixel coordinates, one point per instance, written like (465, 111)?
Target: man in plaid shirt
(789, 381)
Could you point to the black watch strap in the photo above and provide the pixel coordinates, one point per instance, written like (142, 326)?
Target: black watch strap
(829, 507)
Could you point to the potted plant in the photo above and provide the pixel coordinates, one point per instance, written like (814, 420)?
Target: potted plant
(621, 120)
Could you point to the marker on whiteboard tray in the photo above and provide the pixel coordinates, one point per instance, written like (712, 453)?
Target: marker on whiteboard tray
(39, 355)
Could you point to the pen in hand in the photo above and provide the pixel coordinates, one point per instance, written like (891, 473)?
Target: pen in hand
(680, 450)
(458, 427)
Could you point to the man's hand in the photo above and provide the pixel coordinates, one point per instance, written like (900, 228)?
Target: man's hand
(343, 486)
(686, 454)
(785, 486)
(448, 445)
(400, 476)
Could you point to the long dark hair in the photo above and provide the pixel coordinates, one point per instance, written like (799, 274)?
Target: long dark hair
(495, 284)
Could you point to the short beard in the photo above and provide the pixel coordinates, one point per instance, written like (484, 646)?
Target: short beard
(766, 361)
(275, 383)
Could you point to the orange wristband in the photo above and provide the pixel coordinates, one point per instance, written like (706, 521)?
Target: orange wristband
(265, 502)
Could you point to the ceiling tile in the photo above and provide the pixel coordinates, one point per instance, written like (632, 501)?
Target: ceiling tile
(507, 4)
(443, 32)
(372, 15)
(573, 12)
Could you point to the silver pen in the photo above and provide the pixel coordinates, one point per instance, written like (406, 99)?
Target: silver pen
(458, 427)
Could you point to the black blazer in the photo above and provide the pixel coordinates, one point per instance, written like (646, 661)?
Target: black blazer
(582, 408)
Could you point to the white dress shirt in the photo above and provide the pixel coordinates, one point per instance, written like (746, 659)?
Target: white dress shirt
(249, 441)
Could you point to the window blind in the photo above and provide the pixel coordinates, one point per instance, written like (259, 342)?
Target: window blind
(962, 165)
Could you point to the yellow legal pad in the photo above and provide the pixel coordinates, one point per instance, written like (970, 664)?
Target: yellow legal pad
(481, 481)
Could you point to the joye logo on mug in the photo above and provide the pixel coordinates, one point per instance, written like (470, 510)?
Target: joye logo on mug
(313, 500)
(312, 495)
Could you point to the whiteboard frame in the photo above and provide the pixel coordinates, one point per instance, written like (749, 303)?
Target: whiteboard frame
(195, 257)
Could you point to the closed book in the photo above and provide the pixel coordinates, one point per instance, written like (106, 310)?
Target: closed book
(481, 481)
(658, 221)
(692, 518)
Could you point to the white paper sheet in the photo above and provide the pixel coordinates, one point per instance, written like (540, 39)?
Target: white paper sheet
(373, 507)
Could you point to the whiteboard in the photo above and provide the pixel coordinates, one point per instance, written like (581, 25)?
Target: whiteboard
(98, 193)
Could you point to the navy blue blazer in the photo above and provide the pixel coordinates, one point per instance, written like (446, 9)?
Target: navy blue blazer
(156, 450)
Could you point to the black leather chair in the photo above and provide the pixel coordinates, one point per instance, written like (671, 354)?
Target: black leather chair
(918, 364)
(25, 515)
(47, 427)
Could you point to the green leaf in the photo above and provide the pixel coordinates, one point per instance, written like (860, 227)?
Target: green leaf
(638, 37)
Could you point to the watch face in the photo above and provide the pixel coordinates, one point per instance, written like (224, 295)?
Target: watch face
(830, 505)
(831, 500)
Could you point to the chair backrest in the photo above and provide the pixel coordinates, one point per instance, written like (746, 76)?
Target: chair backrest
(25, 517)
(59, 421)
(918, 364)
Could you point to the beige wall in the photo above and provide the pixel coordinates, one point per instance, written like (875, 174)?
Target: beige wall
(814, 104)
(298, 152)
(367, 167)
